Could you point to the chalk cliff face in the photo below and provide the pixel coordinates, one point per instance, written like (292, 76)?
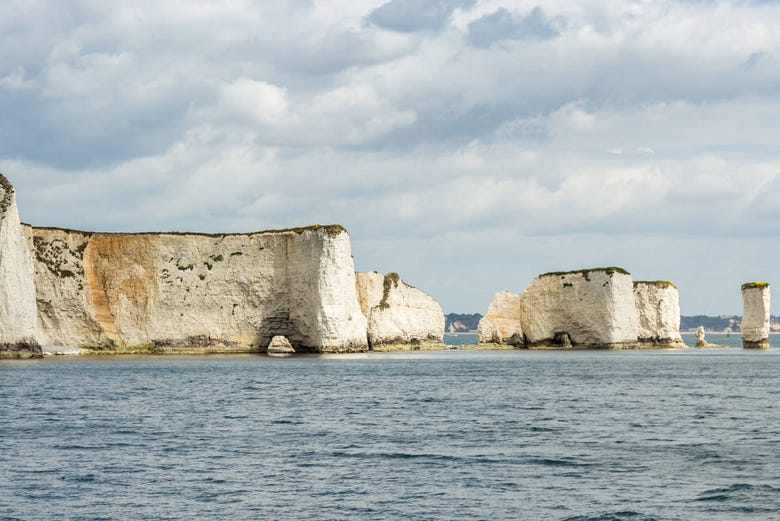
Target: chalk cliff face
(501, 324)
(755, 315)
(17, 291)
(398, 314)
(658, 313)
(232, 290)
(586, 308)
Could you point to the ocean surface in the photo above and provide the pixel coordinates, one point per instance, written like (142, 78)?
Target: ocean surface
(584, 435)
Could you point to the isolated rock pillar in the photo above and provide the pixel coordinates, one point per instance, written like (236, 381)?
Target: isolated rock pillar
(755, 315)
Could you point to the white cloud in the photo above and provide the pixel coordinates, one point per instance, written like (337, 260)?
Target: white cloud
(564, 134)
(257, 101)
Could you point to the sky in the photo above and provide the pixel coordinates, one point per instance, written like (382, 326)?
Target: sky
(468, 145)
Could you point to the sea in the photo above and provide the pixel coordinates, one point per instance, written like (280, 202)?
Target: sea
(459, 434)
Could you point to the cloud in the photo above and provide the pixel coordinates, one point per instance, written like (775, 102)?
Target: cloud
(257, 101)
(468, 144)
(504, 25)
(415, 15)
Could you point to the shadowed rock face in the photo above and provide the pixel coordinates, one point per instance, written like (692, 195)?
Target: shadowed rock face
(238, 291)
(398, 314)
(755, 315)
(17, 290)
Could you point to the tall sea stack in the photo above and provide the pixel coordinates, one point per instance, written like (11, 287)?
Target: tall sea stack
(755, 315)
(18, 309)
(658, 312)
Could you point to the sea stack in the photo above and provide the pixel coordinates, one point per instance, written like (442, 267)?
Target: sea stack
(18, 309)
(501, 324)
(755, 315)
(658, 313)
(591, 308)
(399, 316)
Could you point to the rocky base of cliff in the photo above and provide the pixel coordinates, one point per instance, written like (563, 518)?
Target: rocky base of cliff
(387, 347)
(661, 343)
(760, 344)
(20, 350)
(154, 349)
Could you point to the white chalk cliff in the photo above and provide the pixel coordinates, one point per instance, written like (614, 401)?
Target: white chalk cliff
(658, 313)
(501, 324)
(755, 315)
(586, 308)
(17, 289)
(235, 291)
(399, 315)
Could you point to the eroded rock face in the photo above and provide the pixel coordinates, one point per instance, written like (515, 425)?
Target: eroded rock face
(280, 346)
(230, 290)
(501, 324)
(658, 313)
(587, 308)
(17, 290)
(755, 315)
(398, 314)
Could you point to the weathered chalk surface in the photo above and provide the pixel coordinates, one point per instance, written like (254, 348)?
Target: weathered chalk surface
(399, 316)
(17, 289)
(233, 291)
(658, 313)
(501, 324)
(591, 308)
(755, 315)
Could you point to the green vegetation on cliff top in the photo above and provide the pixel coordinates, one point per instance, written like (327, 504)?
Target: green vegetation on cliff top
(757, 284)
(608, 270)
(330, 229)
(8, 188)
(659, 283)
(391, 279)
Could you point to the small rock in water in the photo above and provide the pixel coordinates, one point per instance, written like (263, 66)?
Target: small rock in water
(700, 341)
(280, 346)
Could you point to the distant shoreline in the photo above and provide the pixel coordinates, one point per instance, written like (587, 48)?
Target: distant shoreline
(706, 332)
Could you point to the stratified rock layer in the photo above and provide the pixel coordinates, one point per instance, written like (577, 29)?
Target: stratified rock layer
(586, 309)
(755, 315)
(501, 324)
(237, 291)
(399, 315)
(658, 313)
(17, 290)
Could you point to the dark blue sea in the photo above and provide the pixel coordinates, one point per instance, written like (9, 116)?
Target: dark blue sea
(585, 435)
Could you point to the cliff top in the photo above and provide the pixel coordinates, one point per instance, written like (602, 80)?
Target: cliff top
(330, 229)
(659, 283)
(608, 270)
(8, 193)
(757, 284)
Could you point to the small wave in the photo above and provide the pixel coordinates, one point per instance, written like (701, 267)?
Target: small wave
(737, 491)
(555, 462)
(429, 457)
(83, 478)
(542, 429)
(613, 516)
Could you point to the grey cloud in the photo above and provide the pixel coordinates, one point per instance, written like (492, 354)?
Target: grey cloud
(503, 25)
(415, 15)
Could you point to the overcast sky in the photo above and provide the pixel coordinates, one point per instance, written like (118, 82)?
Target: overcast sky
(467, 144)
